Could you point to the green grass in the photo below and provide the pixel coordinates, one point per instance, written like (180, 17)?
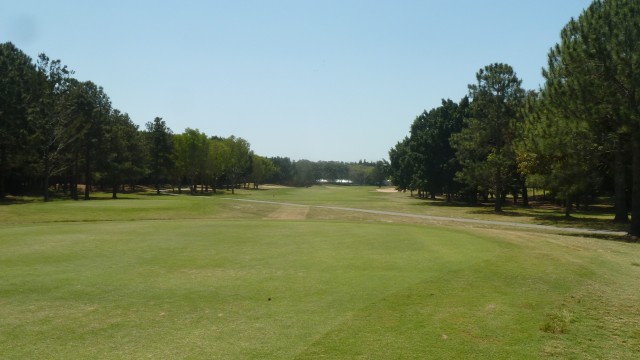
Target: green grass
(207, 277)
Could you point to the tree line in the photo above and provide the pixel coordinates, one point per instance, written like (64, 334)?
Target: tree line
(59, 135)
(308, 173)
(578, 136)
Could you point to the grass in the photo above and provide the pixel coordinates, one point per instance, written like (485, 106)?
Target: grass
(557, 322)
(598, 217)
(206, 277)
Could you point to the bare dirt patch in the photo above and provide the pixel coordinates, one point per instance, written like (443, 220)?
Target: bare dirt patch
(387, 190)
(272, 186)
(289, 213)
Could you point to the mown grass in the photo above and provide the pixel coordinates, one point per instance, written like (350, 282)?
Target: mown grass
(207, 277)
(596, 217)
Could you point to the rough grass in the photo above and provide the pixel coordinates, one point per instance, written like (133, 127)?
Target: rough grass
(205, 277)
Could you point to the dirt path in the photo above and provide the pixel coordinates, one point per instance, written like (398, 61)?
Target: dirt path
(441, 218)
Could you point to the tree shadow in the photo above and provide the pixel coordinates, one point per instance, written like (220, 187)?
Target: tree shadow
(606, 237)
(448, 203)
(11, 200)
(541, 213)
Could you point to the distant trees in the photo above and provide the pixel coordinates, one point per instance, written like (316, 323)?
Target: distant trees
(191, 149)
(52, 131)
(484, 146)
(160, 146)
(57, 132)
(283, 170)
(379, 175)
(401, 166)
(578, 136)
(593, 77)
(426, 161)
(261, 169)
(216, 161)
(434, 157)
(307, 173)
(123, 152)
(17, 74)
(238, 161)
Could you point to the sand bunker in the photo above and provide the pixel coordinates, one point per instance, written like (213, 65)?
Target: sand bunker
(387, 190)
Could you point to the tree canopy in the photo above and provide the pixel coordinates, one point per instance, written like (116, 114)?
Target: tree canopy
(578, 136)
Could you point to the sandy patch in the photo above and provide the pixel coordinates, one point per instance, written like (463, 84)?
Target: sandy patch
(387, 190)
(272, 186)
(289, 213)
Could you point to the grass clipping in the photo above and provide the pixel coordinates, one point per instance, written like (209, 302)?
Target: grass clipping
(557, 322)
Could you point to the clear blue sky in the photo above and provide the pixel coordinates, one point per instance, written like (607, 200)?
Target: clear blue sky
(318, 79)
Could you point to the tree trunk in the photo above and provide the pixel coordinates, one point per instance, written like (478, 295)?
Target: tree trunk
(74, 177)
(47, 170)
(3, 164)
(87, 187)
(525, 191)
(567, 207)
(498, 204)
(87, 180)
(620, 187)
(114, 191)
(635, 189)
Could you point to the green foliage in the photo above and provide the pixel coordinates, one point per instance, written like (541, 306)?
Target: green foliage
(426, 161)
(431, 151)
(160, 146)
(593, 78)
(191, 153)
(53, 132)
(17, 73)
(55, 129)
(239, 161)
(123, 151)
(217, 159)
(485, 146)
(261, 169)
(305, 173)
(401, 165)
(566, 153)
(379, 174)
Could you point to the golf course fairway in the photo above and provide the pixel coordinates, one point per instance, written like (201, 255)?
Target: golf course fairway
(208, 278)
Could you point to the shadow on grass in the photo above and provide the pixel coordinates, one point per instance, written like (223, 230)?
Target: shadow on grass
(607, 237)
(185, 193)
(451, 203)
(595, 217)
(17, 200)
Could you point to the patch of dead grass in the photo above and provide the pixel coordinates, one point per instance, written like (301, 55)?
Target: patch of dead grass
(287, 212)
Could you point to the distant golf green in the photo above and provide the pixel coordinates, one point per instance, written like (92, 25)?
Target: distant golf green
(212, 278)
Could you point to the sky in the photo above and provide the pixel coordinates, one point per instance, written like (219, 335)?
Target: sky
(324, 80)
